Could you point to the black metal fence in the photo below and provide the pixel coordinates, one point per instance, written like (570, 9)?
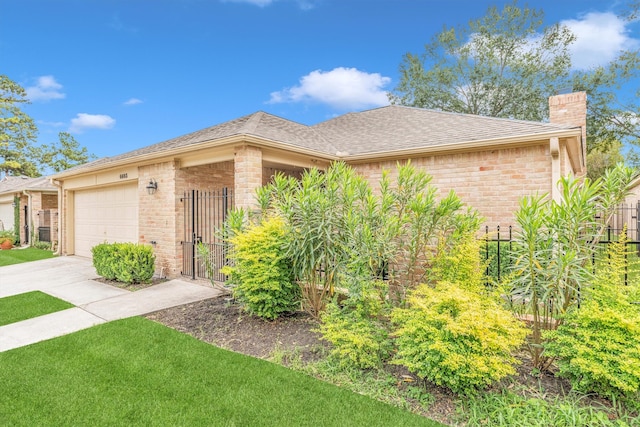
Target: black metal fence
(498, 242)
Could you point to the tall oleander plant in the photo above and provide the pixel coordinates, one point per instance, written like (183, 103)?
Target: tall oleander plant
(554, 243)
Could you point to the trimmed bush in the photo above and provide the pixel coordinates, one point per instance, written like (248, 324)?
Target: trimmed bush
(125, 262)
(261, 274)
(456, 338)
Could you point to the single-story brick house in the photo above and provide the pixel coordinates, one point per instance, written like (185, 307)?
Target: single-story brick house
(36, 200)
(489, 162)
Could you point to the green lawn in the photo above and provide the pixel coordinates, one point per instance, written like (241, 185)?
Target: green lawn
(137, 372)
(16, 256)
(31, 304)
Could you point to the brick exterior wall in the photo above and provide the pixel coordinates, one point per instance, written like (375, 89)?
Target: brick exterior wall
(490, 181)
(157, 215)
(161, 215)
(49, 201)
(248, 175)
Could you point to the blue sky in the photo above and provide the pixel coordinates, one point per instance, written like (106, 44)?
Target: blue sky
(122, 74)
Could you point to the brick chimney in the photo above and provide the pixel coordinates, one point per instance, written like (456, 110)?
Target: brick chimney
(570, 109)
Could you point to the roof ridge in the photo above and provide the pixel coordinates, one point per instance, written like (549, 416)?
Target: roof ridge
(253, 121)
(449, 113)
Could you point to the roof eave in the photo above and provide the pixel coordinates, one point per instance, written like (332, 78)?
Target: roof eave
(176, 152)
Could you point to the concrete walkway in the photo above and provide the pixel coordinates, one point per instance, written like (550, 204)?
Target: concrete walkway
(71, 279)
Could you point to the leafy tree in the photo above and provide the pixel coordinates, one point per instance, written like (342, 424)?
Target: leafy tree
(602, 158)
(63, 155)
(507, 64)
(497, 66)
(17, 130)
(612, 115)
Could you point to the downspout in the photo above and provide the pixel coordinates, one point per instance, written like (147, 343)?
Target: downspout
(29, 225)
(60, 216)
(554, 150)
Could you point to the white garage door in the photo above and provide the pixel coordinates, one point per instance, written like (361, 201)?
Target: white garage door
(106, 214)
(6, 216)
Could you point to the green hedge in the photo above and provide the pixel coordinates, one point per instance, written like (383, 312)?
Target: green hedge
(124, 262)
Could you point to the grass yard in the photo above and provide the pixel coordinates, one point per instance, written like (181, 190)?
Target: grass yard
(30, 304)
(137, 372)
(16, 256)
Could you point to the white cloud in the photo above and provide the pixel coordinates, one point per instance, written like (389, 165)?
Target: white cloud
(132, 101)
(344, 88)
(600, 36)
(45, 89)
(84, 121)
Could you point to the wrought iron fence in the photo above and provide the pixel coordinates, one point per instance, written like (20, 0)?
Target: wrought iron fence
(498, 242)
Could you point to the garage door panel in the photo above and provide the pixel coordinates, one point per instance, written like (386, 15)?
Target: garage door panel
(6, 216)
(108, 214)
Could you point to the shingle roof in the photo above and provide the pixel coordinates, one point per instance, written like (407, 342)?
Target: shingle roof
(395, 128)
(11, 184)
(259, 124)
(386, 129)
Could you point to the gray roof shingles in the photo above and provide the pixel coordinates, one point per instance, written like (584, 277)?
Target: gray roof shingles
(397, 128)
(386, 129)
(12, 184)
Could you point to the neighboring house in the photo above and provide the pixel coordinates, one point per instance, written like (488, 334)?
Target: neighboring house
(627, 215)
(36, 200)
(489, 162)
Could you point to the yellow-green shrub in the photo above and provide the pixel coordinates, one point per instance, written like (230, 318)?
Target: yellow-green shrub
(456, 337)
(598, 344)
(358, 327)
(261, 272)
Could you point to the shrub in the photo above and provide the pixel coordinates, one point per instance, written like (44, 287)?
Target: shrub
(358, 328)
(124, 262)
(41, 245)
(262, 275)
(456, 337)
(340, 227)
(598, 345)
(104, 261)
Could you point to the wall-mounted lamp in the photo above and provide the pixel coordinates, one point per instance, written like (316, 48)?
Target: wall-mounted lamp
(152, 186)
(13, 205)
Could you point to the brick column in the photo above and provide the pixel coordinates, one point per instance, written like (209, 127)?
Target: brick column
(248, 175)
(570, 109)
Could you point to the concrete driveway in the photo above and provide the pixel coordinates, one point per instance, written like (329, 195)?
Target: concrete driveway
(71, 279)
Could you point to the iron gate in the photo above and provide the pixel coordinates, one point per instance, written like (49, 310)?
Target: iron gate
(204, 213)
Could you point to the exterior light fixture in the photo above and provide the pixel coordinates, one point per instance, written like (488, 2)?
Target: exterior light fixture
(152, 186)
(13, 205)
